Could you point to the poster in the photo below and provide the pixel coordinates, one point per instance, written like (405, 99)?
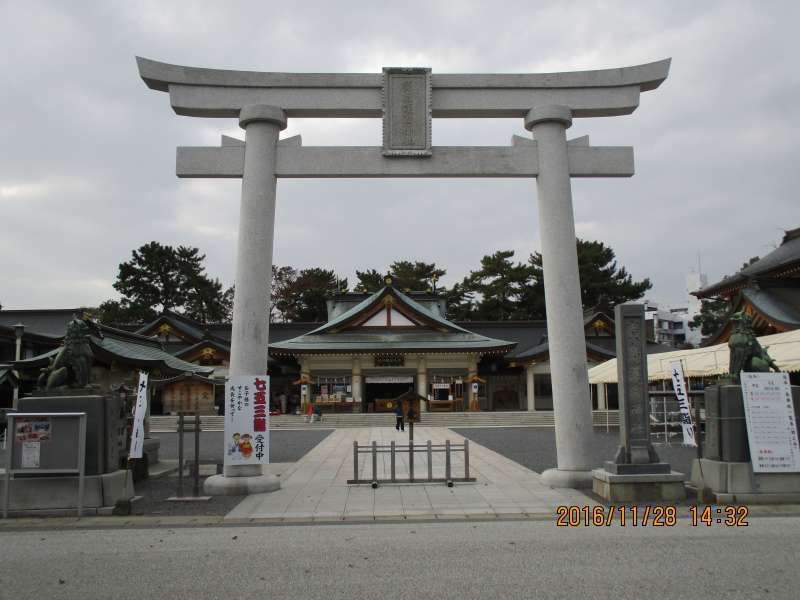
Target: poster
(139, 412)
(247, 420)
(31, 451)
(32, 429)
(682, 394)
(771, 426)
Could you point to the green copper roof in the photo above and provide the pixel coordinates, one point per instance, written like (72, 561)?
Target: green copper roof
(441, 336)
(126, 348)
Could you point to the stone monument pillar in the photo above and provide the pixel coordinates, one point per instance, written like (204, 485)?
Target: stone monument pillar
(250, 328)
(572, 405)
(636, 473)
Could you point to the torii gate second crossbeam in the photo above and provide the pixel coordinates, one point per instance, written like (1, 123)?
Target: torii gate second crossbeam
(407, 99)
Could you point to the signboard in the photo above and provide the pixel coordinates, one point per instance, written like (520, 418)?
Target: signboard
(407, 112)
(389, 379)
(139, 412)
(679, 385)
(247, 420)
(45, 444)
(771, 426)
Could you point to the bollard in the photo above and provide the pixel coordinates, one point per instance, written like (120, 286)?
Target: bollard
(430, 462)
(355, 461)
(448, 479)
(196, 491)
(411, 460)
(466, 458)
(180, 455)
(374, 464)
(392, 460)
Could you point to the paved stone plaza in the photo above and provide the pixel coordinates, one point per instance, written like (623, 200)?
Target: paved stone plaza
(316, 487)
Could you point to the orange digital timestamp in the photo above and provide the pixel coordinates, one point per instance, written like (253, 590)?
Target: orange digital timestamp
(605, 516)
(732, 515)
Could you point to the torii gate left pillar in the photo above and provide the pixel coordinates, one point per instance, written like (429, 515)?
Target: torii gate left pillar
(407, 99)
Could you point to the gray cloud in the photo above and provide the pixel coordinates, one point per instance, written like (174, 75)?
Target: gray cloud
(87, 169)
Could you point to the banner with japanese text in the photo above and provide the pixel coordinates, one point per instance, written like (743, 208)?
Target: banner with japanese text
(682, 394)
(139, 412)
(771, 425)
(247, 420)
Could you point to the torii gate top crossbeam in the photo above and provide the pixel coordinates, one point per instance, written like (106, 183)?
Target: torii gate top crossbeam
(202, 92)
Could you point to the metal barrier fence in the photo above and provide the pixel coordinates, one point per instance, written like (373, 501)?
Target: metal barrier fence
(665, 417)
(411, 448)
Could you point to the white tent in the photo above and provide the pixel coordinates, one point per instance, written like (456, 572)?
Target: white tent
(784, 348)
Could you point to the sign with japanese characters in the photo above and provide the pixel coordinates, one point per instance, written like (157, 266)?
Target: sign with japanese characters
(679, 385)
(31, 453)
(247, 420)
(771, 425)
(139, 412)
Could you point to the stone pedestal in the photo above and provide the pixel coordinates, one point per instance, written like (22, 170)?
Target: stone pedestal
(645, 487)
(61, 493)
(735, 482)
(237, 485)
(725, 469)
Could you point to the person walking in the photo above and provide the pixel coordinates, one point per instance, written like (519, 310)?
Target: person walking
(398, 412)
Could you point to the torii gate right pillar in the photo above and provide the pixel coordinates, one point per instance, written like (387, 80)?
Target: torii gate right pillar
(571, 402)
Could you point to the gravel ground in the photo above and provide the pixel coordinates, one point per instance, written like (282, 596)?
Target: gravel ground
(535, 448)
(284, 446)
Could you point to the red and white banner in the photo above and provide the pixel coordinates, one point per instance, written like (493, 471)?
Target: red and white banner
(247, 420)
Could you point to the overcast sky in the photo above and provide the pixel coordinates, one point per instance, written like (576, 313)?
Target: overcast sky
(87, 152)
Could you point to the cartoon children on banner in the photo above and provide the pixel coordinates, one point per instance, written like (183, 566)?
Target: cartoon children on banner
(242, 445)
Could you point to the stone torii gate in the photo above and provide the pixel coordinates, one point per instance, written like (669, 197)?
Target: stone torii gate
(407, 99)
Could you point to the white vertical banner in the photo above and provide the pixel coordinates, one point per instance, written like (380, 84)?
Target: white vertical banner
(771, 426)
(247, 420)
(139, 411)
(682, 394)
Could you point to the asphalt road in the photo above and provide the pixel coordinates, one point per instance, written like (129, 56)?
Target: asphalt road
(535, 447)
(508, 560)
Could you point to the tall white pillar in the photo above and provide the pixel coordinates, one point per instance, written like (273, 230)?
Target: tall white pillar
(530, 387)
(250, 328)
(422, 381)
(571, 402)
(472, 397)
(602, 397)
(356, 379)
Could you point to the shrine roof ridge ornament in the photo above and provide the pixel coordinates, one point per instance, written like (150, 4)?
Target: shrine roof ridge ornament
(206, 92)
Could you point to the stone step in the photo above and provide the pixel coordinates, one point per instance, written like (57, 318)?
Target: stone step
(337, 420)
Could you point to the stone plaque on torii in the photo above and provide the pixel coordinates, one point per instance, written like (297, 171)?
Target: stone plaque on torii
(407, 99)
